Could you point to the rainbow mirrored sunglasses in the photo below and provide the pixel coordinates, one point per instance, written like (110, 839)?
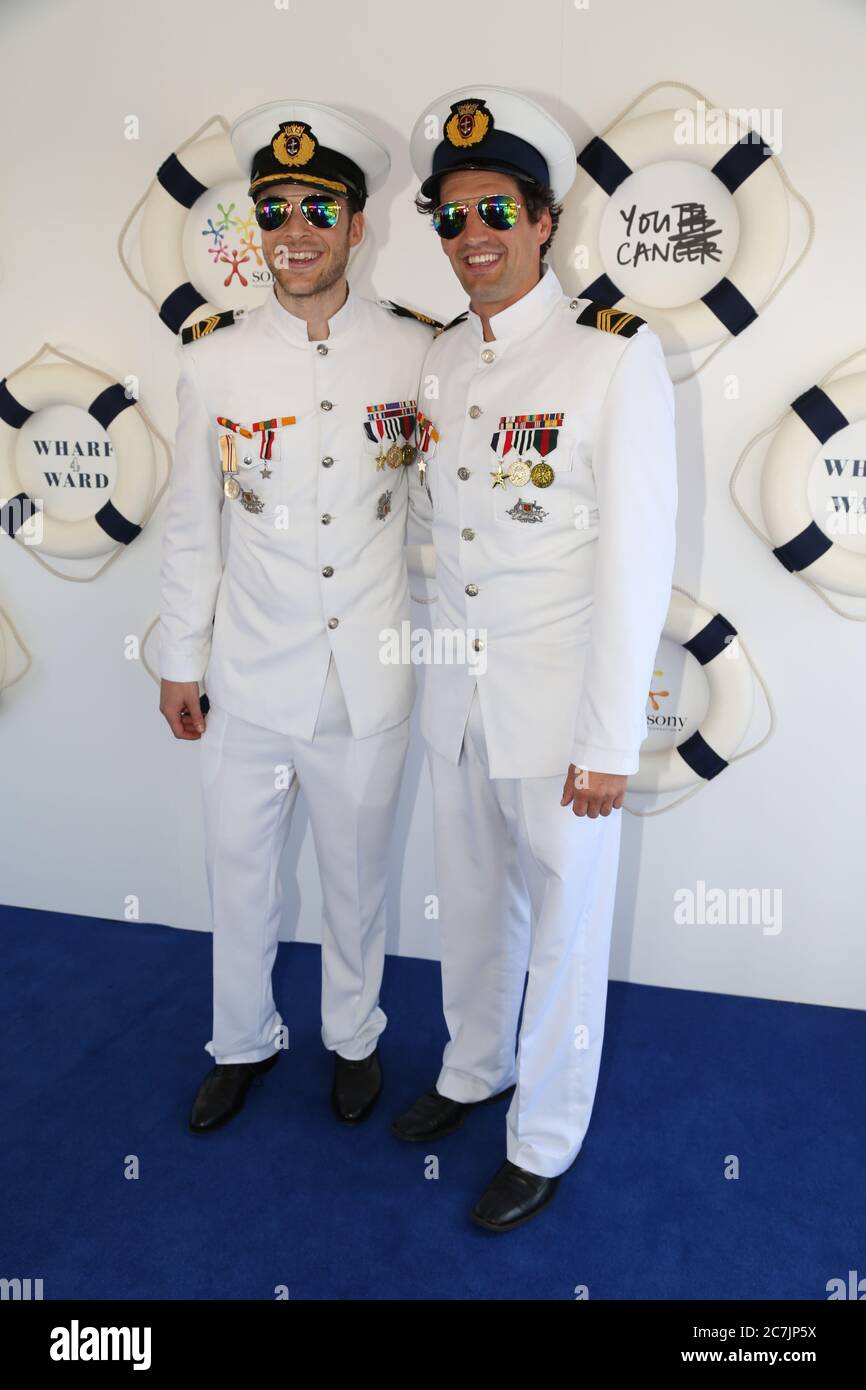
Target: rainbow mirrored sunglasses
(499, 211)
(321, 210)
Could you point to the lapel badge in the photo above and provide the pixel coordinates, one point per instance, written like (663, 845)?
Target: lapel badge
(526, 511)
(383, 506)
(250, 501)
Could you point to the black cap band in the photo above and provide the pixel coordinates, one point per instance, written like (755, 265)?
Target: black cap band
(503, 153)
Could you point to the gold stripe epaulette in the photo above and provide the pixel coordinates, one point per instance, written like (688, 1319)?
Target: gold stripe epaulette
(206, 326)
(610, 320)
(459, 319)
(404, 313)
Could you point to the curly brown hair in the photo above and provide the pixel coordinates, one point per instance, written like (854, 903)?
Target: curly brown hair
(534, 196)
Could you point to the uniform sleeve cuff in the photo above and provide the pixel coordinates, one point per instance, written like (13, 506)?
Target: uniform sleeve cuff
(614, 760)
(176, 667)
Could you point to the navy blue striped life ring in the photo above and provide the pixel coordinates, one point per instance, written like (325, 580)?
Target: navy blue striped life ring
(119, 520)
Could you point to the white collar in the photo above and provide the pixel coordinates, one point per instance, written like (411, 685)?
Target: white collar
(525, 314)
(295, 329)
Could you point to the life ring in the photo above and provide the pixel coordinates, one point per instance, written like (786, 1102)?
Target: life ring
(746, 169)
(712, 640)
(180, 181)
(799, 543)
(118, 520)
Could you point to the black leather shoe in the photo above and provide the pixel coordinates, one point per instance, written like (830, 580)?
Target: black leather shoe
(514, 1196)
(223, 1092)
(433, 1116)
(356, 1087)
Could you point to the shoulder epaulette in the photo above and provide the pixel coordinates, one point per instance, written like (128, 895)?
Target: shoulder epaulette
(206, 326)
(610, 320)
(404, 313)
(459, 319)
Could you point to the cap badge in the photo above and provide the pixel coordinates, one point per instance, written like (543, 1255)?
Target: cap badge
(294, 144)
(468, 124)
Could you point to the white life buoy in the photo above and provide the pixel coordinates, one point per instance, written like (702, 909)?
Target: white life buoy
(119, 520)
(799, 543)
(745, 167)
(711, 639)
(180, 182)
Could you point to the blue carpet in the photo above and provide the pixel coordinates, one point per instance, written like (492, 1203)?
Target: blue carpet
(105, 1024)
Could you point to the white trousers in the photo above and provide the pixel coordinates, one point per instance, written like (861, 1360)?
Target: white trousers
(250, 778)
(524, 885)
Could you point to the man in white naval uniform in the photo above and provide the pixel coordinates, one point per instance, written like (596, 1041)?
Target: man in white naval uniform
(296, 415)
(549, 459)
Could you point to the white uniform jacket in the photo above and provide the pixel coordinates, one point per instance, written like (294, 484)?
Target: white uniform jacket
(564, 578)
(315, 559)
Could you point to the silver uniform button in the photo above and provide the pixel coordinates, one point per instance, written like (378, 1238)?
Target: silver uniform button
(326, 517)
(573, 303)
(472, 590)
(488, 355)
(327, 405)
(322, 350)
(468, 534)
(327, 461)
(474, 412)
(333, 622)
(248, 459)
(463, 473)
(478, 645)
(328, 571)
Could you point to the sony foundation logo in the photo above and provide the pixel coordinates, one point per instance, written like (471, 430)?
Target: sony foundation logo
(77, 1343)
(662, 720)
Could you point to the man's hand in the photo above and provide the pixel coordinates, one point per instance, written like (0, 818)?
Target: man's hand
(597, 793)
(179, 702)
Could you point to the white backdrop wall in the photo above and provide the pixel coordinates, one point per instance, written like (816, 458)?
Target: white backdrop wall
(99, 801)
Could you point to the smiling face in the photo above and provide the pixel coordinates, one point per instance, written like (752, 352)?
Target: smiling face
(307, 260)
(495, 268)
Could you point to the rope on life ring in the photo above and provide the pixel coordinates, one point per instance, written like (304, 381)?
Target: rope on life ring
(757, 183)
(715, 643)
(795, 538)
(197, 165)
(120, 520)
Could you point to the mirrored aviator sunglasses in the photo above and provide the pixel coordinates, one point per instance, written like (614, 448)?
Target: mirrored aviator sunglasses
(500, 211)
(319, 209)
